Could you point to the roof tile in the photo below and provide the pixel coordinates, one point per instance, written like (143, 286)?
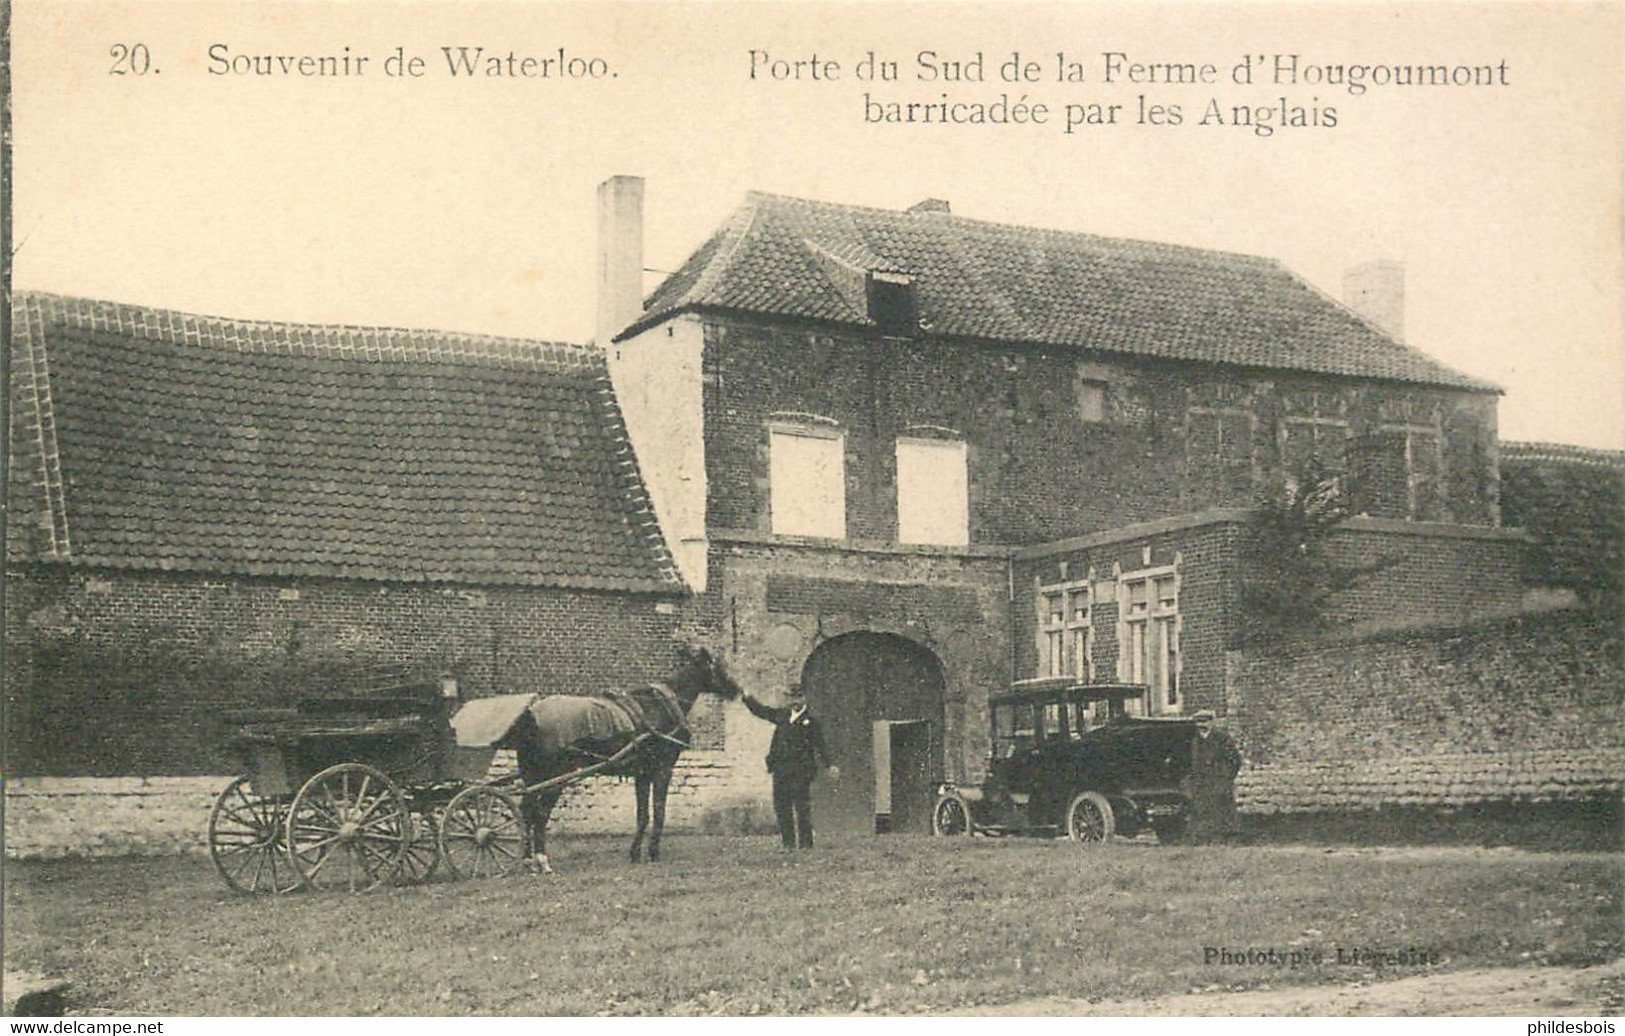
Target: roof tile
(202, 444)
(977, 280)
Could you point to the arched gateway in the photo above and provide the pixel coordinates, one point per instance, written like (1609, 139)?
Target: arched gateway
(880, 698)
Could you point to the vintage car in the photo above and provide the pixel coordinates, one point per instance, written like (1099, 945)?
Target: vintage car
(1070, 758)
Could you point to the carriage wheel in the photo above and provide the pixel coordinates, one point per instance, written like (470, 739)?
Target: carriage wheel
(248, 841)
(482, 834)
(951, 816)
(1090, 818)
(348, 828)
(422, 856)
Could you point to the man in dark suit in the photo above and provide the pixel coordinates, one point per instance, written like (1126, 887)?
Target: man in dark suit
(794, 759)
(1215, 761)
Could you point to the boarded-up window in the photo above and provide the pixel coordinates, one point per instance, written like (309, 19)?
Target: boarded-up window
(1219, 456)
(1091, 401)
(1316, 445)
(932, 492)
(807, 480)
(1397, 474)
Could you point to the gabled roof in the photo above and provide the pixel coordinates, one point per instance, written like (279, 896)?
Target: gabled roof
(152, 439)
(788, 257)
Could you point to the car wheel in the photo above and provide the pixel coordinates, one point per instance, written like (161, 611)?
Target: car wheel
(951, 816)
(1090, 818)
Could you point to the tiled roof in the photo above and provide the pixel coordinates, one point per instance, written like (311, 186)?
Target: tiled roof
(154, 439)
(977, 280)
(1561, 454)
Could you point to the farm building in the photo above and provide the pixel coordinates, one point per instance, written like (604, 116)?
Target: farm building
(207, 514)
(902, 458)
(906, 458)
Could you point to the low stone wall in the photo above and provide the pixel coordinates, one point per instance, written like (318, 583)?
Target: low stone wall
(1437, 781)
(50, 817)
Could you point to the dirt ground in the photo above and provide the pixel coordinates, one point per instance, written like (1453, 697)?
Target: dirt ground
(1489, 992)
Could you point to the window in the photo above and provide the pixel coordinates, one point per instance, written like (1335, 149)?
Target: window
(1399, 474)
(1091, 400)
(1013, 729)
(1066, 631)
(1053, 613)
(1315, 433)
(807, 481)
(1219, 455)
(1316, 443)
(1052, 720)
(891, 302)
(932, 492)
(1148, 604)
(1080, 633)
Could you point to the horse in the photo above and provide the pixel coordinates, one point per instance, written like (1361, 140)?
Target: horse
(665, 705)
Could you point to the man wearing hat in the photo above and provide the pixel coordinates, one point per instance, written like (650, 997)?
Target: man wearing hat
(794, 759)
(1215, 761)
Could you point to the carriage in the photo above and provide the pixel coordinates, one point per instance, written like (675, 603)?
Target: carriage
(386, 780)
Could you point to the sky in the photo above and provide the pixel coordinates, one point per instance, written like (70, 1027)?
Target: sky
(152, 165)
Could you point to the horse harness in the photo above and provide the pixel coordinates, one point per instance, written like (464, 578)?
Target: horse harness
(666, 699)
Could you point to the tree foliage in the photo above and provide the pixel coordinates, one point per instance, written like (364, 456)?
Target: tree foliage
(1289, 576)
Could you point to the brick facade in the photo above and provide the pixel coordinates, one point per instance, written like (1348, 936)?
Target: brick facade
(120, 673)
(1071, 482)
(771, 604)
(1171, 439)
(1420, 575)
(1202, 555)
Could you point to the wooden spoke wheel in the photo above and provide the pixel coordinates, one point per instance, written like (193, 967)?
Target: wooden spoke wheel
(1089, 819)
(951, 816)
(482, 834)
(248, 841)
(348, 828)
(422, 856)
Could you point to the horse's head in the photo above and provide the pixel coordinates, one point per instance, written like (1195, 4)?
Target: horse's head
(707, 674)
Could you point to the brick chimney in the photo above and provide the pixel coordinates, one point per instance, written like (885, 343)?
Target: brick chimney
(1376, 291)
(620, 255)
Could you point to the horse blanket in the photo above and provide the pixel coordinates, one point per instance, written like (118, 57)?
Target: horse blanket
(568, 721)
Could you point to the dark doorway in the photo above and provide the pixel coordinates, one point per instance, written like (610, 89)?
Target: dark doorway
(905, 775)
(880, 699)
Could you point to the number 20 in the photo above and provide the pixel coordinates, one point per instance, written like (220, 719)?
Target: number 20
(132, 60)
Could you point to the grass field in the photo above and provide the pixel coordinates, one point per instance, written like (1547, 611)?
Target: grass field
(729, 925)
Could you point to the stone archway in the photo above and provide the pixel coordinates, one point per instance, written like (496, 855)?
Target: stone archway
(880, 698)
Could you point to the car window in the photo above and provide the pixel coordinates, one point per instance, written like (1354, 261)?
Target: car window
(1012, 729)
(1077, 719)
(1052, 720)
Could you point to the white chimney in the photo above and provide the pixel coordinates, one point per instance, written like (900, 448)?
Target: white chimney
(620, 255)
(1376, 291)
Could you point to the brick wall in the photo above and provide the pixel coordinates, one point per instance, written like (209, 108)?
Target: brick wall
(1173, 438)
(1202, 552)
(1419, 575)
(1524, 709)
(117, 685)
(119, 674)
(772, 603)
(53, 817)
